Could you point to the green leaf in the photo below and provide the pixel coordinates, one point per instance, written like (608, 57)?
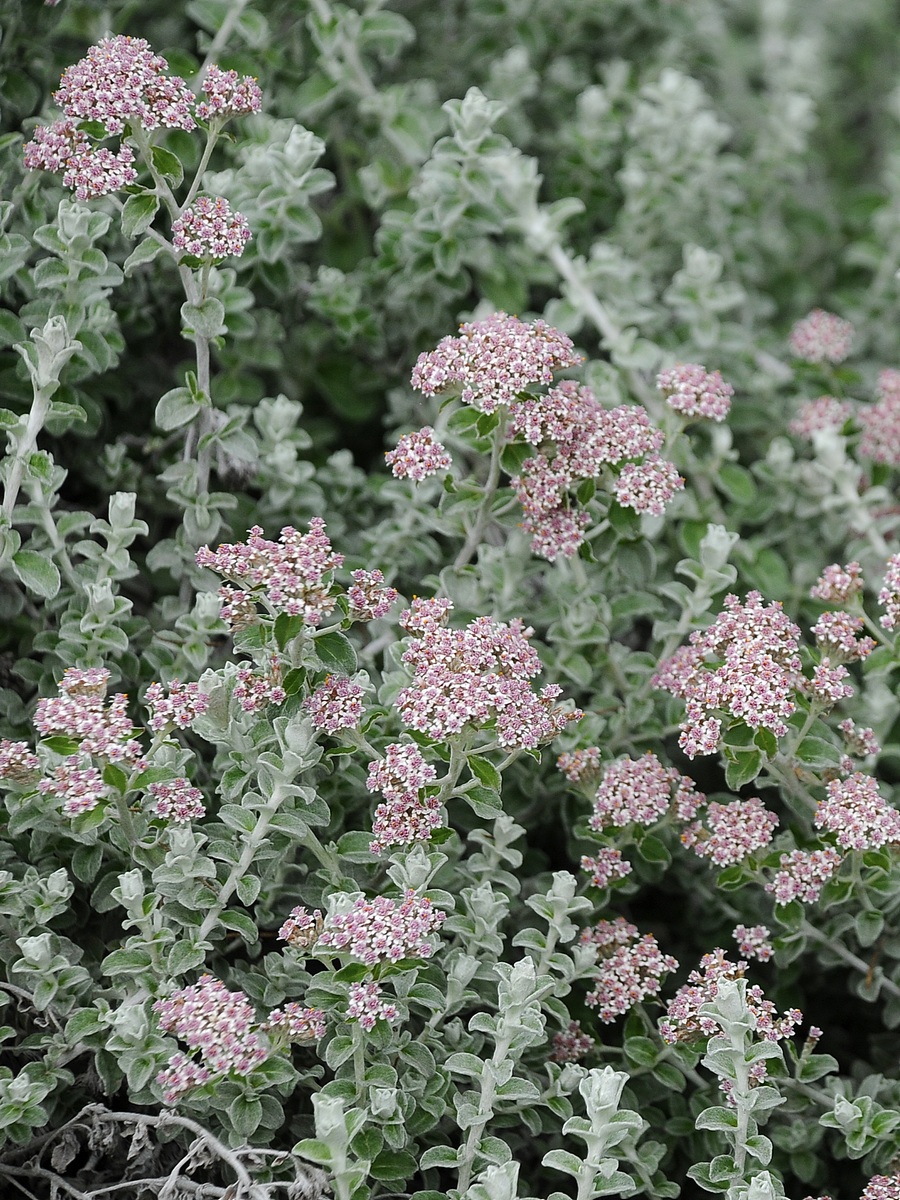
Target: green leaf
(651, 849)
(240, 923)
(144, 252)
(393, 1165)
(167, 164)
(719, 1118)
(352, 973)
(60, 744)
(868, 927)
(287, 627)
(313, 1151)
(176, 408)
(245, 1114)
(742, 766)
(485, 771)
(737, 483)
(206, 319)
(816, 753)
(484, 802)
(138, 214)
(183, 957)
(37, 572)
(336, 652)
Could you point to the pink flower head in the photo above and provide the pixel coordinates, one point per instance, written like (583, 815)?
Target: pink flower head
(880, 423)
(837, 584)
(861, 741)
(336, 705)
(728, 833)
(302, 929)
(295, 1023)
(418, 455)
(889, 595)
(493, 360)
(556, 534)
(210, 230)
(754, 942)
(366, 1005)
(180, 1076)
(254, 690)
(184, 703)
(648, 486)
(821, 337)
(369, 595)
(53, 145)
(814, 416)
(17, 761)
(572, 1044)
(407, 816)
(828, 682)
(882, 1187)
(177, 801)
(81, 712)
(228, 95)
(580, 765)
(425, 615)
(639, 792)
(629, 968)
(121, 82)
(94, 173)
(80, 786)
(803, 874)
(695, 392)
(219, 1024)
(292, 575)
(857, 814)
(384, 930)
(605, 866)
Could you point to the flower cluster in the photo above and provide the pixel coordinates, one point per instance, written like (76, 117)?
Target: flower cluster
(292, 575)
(94, 173)
(407, 816)
(861, 741)
(295, 1023)
(578, 766)
(605, 866)
(639, 792)
(79, 786)
(365, 1005)
(80, 711)
(746, 664)
(728, 833)
(754, 942)
(827, 682)
(838, 584)
(302, 929)
(336, 705)
(837, 633)
(254, 689)
(384, 930)
(493, 360)
(177, 801)
(18, 762)
(572, 1044)
(821, 337)
(857, 814)
(684, 1023)
(882, 1187)
(815, 416)
(889, 595)
(369, 596)
(228, 95)
(209, 230)
(478, 676)
(630, 967)
(695, 392)
(183, 704)
(418, 455)
(803, 874)
(880, 423)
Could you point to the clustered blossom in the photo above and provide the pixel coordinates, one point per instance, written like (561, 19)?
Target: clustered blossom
(79, 786)
(302, 929)
(219, 1024)
(630, 967)
(822, 337)
(605, 866)
(369, 596)
(572, 1044)
(80, 711)
(882, 1187)
(754, 942)
(880, 422)
(177, 801)
(292, 575)
(94, 173)
(746, 664)
(815, 416)
(295, 1023)
(803, 874)
(641, 791)
(418, 455)
(648, 486)
(53, 145)
(493, 360)
(17, 761)
(728, 833)
(253, 689)
(210, 230)
(183, 704)
(228, 95)
(837, 632)
(407, 816)
(838, 584)
(695, 392)
(384, 930)
(477, 676)
(860, 740)
(857, 814)
(827, 683)
(365, 1005)
(683, 1022)
(580, 765)
(889, 595)
(336, 705)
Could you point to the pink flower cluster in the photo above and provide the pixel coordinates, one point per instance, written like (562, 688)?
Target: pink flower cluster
(384, 930)
(364, 1004)
(292, 575)
(827, 683)
(803, 874)
(94, 173)
(336, 705)
(814, 416)
(683, 1022)
(184, 702)
(17, 761)
(695, 392)
(754, 942)
(605, 866)
(254, 689)
(639, 792)
(493, 360)
(80, 711)
(860, 740)
(302, 929)
(369, 596)
(821, 337)
(880, 422)
(209, 230)
(418, 455)
(630, 967)
(882, 1187)
(295, 1023)
(889, 595)
(728, 833)
(746, 664)
(837, 633)
(857, 814)
(478, 677)
(572, 1044)
(228, 95)
(79, 785)
(177, 801)
(579, 766)
(837, 584)
(407, 816)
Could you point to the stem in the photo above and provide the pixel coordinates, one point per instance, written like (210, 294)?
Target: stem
(490, 487)
(485, 1110)
(837, 947)
(24, 446)
(211, 140)
(359, 1061)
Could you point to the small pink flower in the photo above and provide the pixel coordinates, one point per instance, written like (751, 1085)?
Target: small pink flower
(837, 584)
(861, 741)
(605, 866)
(754, 942)
(821, 337)
(369, 595)
(827, 683)
(177, 801)
(228, 95)
(184, 703)
(836, 633)
(418, 455)
(695, 392)
(803, 874)
(728, 833)
(366, 1005)
(210, 230)
(336, 705)
(302, 929)
(572, 1044)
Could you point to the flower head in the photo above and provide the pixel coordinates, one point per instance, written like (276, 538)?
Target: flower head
(857, 814)
(366, 1006)
(837, 584)
(648, 486)
(210, 230)
(629, 967)
(754, 942)
(302, 929)
(728, 833)
(369, 595)
(889, 595)
(418, 455)
(605, 866)
(384, 930)
(80, 711)
(803, 874)
(336, 705)
(572, 1044)
(184, 703)
(177, 801)
(640, 791)
(228, 95)
(695, 392)
(814, 416)
(822, 337)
